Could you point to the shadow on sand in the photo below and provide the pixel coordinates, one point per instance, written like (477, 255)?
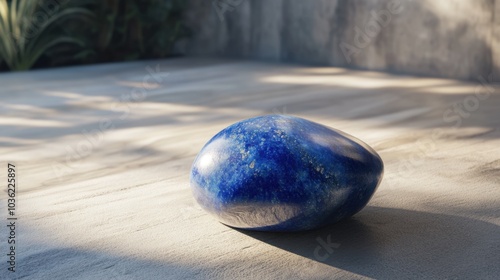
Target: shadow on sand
(389, 243)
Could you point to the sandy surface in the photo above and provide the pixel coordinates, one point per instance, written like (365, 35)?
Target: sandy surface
(103, 155)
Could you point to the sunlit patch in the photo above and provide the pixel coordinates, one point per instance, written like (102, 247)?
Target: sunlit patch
(338, 144)
(459, 89)
(213, 155)
(361, 81)
(206, 161)
(321, 70)
(64, 94)
(30, 108)
(144, 85)
(31, 122)
(320, 139)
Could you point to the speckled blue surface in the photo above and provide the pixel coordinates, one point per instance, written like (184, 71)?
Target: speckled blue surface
(283, 173)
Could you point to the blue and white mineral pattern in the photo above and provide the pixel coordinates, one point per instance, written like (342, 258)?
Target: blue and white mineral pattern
(284, 173)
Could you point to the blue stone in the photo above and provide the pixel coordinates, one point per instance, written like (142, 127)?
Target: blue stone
(284, 173)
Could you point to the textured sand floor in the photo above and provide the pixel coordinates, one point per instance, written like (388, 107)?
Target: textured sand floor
(103, 155)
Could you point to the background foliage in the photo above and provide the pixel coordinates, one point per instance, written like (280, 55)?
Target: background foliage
(93, 31)
(27, 33)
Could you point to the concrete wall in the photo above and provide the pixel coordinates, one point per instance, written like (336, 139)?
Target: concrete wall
(445, 38)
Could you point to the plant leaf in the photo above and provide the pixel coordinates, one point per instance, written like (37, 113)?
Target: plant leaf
(30, 60)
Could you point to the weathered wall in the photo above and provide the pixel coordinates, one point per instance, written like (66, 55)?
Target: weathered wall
(449, 38)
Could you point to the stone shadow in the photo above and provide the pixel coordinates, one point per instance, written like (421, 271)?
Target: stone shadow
(385, 243)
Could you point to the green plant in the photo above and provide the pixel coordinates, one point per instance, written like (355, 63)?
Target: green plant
(132, 29)
(27, 31)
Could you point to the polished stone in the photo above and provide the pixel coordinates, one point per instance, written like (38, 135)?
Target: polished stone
(284, 173)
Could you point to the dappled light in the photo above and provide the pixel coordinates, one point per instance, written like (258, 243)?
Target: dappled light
(355, 80)
(104, 106)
